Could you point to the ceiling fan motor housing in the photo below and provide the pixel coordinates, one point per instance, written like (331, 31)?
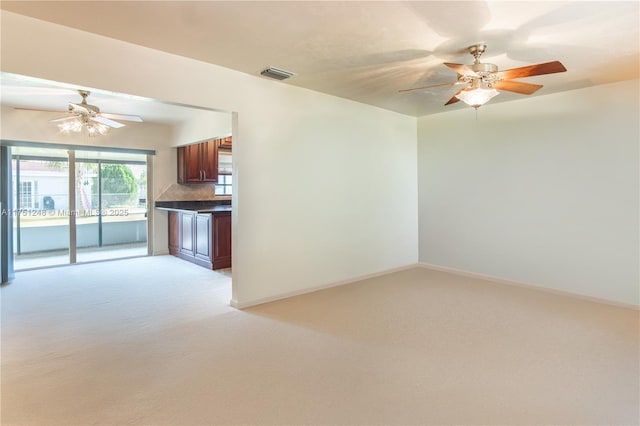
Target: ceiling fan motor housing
(484, 68)
(83, 107)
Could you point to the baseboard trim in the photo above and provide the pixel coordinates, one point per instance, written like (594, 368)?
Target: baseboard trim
(250, 303)
(527, 285)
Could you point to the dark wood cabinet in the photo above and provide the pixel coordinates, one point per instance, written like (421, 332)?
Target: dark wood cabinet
(198, 163)
(189, 170)
(225, 142)
(186, 234)
(222, 240)
(201, 238)
(209, 156)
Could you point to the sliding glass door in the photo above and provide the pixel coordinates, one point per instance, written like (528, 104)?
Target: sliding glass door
(40, 192)
(77, 206)
(111, 201)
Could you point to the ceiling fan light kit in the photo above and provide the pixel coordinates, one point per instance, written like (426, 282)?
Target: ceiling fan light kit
(77, 124)
(483, 79)
(477, 97)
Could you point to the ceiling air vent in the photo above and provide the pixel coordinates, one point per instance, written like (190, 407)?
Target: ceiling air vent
(276, 73)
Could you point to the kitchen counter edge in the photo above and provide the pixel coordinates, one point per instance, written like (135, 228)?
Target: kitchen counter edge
(195, 206)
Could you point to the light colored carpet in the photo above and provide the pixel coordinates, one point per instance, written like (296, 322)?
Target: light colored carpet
(153, 341)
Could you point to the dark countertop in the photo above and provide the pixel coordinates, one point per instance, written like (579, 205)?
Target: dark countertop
(195, 206)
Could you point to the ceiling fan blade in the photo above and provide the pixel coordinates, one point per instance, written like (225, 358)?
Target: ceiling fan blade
(462, 69)
(531, 70)
(107, 122)
(63, 118)
(42, 110)
(517, 86)
(121, 117)
(428, 87)
(453, 100)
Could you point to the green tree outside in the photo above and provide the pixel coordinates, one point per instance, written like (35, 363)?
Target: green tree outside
(119, 185)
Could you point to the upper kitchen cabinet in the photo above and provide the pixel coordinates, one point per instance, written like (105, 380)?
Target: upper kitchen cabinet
(198, 163)
(225, 142)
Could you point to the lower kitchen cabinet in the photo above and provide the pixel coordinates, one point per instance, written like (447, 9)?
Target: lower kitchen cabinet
(222, 240)
(186, 234)
(201, 238)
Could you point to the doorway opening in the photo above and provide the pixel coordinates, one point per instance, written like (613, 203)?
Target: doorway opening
(85, 235)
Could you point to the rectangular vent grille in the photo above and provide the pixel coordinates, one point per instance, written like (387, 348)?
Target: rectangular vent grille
(276, 73)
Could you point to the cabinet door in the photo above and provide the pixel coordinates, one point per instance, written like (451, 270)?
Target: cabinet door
(221, 240)
(174, 236)
(186, 233)
(209, 161)
(189, 168)
(203, 236)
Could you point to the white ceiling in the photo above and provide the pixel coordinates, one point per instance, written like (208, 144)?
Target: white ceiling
(26, 92)
(367, 51)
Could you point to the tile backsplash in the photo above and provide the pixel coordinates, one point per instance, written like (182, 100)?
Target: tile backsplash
(200, 192)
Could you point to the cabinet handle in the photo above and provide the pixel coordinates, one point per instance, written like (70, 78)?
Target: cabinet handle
(204, 173)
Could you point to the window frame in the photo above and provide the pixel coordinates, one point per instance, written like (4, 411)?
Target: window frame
(225, 184)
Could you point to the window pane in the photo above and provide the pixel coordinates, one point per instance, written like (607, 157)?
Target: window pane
(223, 187)
(41, 224)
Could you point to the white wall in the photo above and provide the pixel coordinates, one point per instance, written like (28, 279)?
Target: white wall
(542, 191)
(202, 125)
(325, 189)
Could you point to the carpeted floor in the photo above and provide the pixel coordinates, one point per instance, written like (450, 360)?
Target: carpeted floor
(152, 341)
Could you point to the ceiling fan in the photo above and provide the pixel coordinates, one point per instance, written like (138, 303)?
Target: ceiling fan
(482, 79)
(86, 116)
